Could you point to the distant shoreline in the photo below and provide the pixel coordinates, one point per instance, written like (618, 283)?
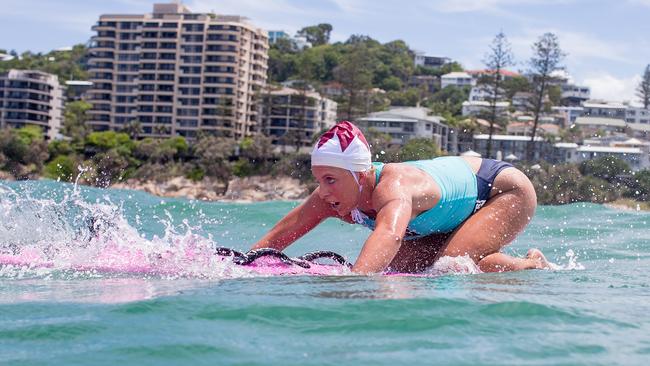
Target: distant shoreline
(259, 189)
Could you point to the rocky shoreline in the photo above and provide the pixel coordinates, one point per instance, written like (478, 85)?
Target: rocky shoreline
(247, 189)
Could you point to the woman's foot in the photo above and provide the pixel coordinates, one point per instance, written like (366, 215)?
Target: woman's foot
(538, 259)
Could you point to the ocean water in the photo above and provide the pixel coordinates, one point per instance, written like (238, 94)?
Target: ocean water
(594, 309)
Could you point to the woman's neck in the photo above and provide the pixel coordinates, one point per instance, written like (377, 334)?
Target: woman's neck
(367, 182)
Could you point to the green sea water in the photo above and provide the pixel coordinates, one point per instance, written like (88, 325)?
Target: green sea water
(594, 310)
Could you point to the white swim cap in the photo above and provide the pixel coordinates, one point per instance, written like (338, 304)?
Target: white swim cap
(343, 146)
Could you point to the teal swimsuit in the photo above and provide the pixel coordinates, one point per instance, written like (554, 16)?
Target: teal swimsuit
(458, 200)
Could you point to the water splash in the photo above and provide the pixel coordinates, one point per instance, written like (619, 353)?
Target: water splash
(43, 236)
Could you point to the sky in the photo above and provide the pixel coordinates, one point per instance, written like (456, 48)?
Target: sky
(606, 41)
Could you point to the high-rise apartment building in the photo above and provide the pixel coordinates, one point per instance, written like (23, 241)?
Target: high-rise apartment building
(177, 72)
(29, 97)
(293, 117)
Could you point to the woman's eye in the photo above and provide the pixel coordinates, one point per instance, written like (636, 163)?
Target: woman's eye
(330, 180)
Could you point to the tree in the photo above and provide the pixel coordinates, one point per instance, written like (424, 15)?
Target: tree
(496, 60)
(419, 149)
(133, 129)
(317, 34)
(643, 90)
(75, 117)
(213, 155)
(449, 100)
(546, 58)
(355, 74)
(606, 167)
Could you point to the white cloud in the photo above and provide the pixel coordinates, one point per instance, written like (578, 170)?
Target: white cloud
(581, 48)
(605, 86)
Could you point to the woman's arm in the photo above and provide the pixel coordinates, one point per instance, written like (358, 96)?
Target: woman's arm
(390, 226)
(296, 223)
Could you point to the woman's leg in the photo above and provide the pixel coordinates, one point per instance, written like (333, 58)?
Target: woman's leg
(507, 212)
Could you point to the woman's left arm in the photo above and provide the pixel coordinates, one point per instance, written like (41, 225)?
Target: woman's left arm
(390, 226)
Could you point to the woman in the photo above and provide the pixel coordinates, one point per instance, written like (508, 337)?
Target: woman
(418, 211)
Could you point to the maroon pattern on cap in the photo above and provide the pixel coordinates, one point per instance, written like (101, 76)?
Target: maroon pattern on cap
(346, 131)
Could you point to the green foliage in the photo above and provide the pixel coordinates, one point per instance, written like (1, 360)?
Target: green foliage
(295, 165)
(23, 151)
(449, 100)
(639, 186)
(606, 167)
(196, 174)
(410, 97)
(30, 134)
(63, 168)
(106, 140)
(317, 35)
(514, 85)
(65, 64)
(59, 147)
(161, 151)
(75, 117)
(391, 83)
(212, 156)
(418, 149)
(242, 168)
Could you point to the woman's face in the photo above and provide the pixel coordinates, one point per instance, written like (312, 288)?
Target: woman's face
(337, 187)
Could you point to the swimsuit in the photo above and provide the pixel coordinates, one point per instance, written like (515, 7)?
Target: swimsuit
(462, 194)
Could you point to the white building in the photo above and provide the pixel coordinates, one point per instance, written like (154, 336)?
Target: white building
(575, 95)
(637, 115)
(484, 93)
(604, 109)
(636, 157)
(458, 79)
(405, 123)
(593, 124)
(31, 97)
(473, 108)
(505, 145)
(420, 59)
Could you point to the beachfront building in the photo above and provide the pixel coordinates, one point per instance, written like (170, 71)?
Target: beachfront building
(482, 108)
(405, 123)
(525, 128)
(637, 115)
(421, 59)
(568, 115)
(485, 93)
(594, 125)
(275, 35)
(636, 157)
(574, 95)
(458, 79)
(513, 147)
(29, 97)
(604, 109)
(177, 72)
(76, 89)
(294, 117)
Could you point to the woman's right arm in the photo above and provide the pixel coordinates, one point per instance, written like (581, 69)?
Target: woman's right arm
(296, 223)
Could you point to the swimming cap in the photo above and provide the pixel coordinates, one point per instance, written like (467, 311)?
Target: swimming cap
(343, 146)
